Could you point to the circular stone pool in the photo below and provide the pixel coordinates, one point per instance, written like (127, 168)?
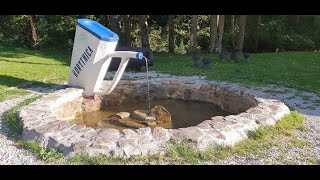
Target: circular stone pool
(49, 119)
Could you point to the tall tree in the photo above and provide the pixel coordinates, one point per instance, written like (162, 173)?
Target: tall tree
(144, 31)
(242, 26)
(233, 31)
(220, 32)
(193, 34)
(295, 19)
(213, 33)
(255, 34)
(171, 33)
(115, 26)
(33, 31)
(127, 30)
(106, 20)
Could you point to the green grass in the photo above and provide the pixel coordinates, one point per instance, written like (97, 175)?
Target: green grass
(257, 134)
(99, 160)
(184, 153)
(47, 155)
(300, 70)
(12, 120)
(259, 140)
(290, 122)
(19, 66)
(300, 144)
(291, 69)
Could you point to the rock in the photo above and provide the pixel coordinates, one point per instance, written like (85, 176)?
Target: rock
(207, 63)
(143, 68)
(139, 115)
(101, 123)
(131, 124)
(223, 56)
(123, 114)
(160, 134)
(247, 57)
(116, 120)
(162, 115)
(91, 103)
(235, 55)
(150, 118)
(125, 123)
(149, 123)
(114, 117)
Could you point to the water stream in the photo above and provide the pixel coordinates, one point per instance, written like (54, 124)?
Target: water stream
(148, 83)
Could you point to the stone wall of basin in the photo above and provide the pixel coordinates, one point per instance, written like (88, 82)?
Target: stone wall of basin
(47, 120)
(228, 98)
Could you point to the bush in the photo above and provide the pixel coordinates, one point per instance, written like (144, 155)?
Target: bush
(57, 32)
(204, 38)
(158, 40)
(297, 42)
(181, 49)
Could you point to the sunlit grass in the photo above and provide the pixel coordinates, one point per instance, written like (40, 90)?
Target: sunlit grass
(299, 70)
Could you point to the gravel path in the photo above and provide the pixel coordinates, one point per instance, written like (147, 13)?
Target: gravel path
(284, 153)
(9, 153)
(308, 104)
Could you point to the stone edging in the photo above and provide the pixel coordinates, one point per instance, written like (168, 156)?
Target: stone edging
(46, 121)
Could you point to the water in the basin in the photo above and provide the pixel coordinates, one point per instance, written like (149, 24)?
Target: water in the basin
(184, 113)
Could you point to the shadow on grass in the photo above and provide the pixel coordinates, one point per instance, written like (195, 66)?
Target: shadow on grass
(15, 52)
(10, 81)
(26, 62)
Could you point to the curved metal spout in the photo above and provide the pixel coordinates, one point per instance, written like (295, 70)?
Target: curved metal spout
(125, 56)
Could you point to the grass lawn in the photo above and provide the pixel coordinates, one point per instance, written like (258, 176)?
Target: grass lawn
(21, 66)
(300, 70)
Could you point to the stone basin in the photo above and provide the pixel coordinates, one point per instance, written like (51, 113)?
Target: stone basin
(47, 120)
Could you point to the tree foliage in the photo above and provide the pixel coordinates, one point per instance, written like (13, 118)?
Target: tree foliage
(264, 33)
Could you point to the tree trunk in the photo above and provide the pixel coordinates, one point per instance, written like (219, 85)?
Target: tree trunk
(127, 30)
(233, 30)
(213, 32)
(220, 32)
(256, 34)
(115, 26)
(171, 33)
(33, 32)
(242, 25)
(193, 34)
(144, 31)
(106, 21)
(295, 19)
